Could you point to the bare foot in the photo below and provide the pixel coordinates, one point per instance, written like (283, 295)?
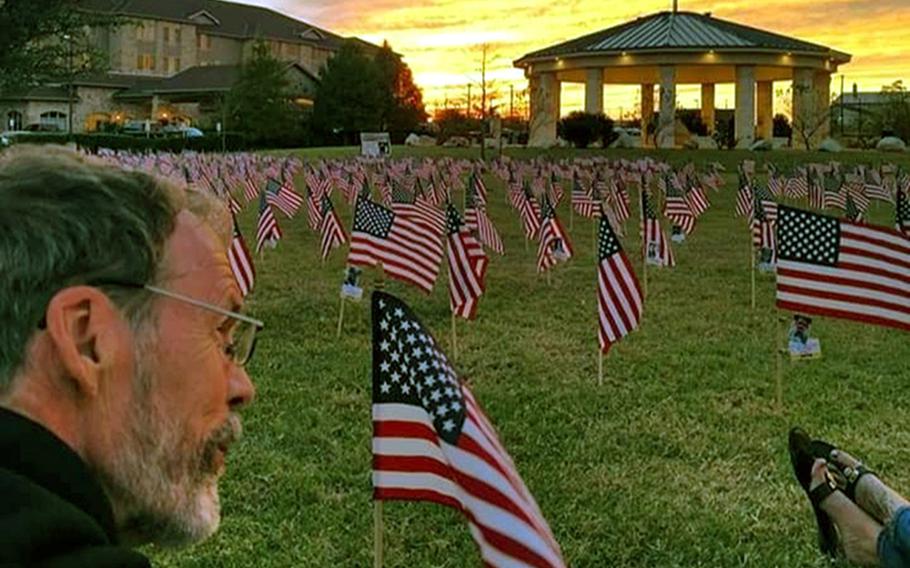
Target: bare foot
(858, 531)
(872, 495)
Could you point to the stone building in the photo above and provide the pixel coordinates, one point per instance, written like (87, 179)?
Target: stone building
(676, 47)
(172, 62)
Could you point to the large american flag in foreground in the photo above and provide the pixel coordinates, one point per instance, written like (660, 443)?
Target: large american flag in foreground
(619, 302)
(838, 268)
(406, 250)
(432, 442)
(241, 261)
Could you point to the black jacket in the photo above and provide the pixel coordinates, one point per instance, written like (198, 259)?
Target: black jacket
(53, 514)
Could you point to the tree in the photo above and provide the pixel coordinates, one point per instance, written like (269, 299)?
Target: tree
(895, 114)
(400, 101)
(347, 101)
(581, 128)
(48, 41)
(259, 104)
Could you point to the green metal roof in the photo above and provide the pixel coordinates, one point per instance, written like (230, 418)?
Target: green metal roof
(679, 31)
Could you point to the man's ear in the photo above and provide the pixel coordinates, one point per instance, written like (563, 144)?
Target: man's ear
(83, 325)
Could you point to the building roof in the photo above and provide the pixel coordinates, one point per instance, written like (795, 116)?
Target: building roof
(41, 93)
(679, 31)
(857, 99)
(218, 17)
(199, 79)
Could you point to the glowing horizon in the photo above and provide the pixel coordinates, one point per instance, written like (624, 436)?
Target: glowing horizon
(441, 40)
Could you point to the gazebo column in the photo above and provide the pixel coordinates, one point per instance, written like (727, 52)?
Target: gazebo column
(707, 106)
(544, 101)
(666, 126)
(594, 90)
(822, 88)
(765, 103)
(647, 110)
(745, 106)
(804, 104)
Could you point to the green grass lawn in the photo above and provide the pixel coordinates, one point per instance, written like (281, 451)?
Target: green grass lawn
(678, 459)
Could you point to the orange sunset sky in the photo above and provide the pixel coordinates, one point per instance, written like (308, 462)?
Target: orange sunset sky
(440, 39)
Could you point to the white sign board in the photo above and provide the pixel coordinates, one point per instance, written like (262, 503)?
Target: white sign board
(375, 144)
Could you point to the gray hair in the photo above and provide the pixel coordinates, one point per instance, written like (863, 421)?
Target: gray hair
(66, 220)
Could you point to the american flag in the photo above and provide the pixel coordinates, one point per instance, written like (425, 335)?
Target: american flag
(851, 211)
(313, 210)
(902, 213)
(432, 442)
(554, 241)
(330, 230)
(250, 190)
(654, 244)
(698, 201)
(797, 186)
(816, 189)
(582, 202)
(241, 262)
(285, 199)
(676, 208)
(234, 205)
(467, 267)
(405, 249)
(875, 187)
(477, 187)
(529, 211)
(619, 299)
(477, 220)
(267, 231)
(838, 268)
(744, 201)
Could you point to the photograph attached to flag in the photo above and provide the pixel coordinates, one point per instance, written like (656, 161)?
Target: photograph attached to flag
(555, 245)
(406, 250)
(241, 262)
(619, 301)
(655, 245)
(837, 268)
(432, 442)
(467, 267)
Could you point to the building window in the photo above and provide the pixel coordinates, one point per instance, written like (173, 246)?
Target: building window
(204, 42)
(176, 65)
(145, 32)
(14, 120)
(145, 62)
(178, 35)
(167, 34)
(53, 119)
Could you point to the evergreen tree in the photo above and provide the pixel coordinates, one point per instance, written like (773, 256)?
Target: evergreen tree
(347, 101)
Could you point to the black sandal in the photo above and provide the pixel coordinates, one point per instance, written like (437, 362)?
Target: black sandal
(850, 475)
(802, 458)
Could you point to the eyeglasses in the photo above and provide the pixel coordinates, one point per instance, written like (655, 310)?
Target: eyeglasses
(243, 338)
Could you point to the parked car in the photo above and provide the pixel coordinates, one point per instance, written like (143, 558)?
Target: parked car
(183, 131)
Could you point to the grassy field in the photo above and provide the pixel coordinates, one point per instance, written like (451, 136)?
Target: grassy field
(679, 459)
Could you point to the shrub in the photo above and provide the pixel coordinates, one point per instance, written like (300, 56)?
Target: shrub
(581, 129)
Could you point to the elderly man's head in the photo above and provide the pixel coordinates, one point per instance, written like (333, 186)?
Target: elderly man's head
(141, 383)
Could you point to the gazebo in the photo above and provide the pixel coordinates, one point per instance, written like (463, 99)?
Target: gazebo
(677, 47)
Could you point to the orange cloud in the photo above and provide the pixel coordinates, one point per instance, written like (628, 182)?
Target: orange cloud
(441, 39)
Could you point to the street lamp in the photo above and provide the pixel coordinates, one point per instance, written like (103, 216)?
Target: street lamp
(69, 74)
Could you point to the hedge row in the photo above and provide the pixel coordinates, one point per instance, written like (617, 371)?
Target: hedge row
(230, 142)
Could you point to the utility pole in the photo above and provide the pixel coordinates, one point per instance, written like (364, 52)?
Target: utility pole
(69, 90)
(842, 105)
(483, 105)
(468, 111)
(512, 101)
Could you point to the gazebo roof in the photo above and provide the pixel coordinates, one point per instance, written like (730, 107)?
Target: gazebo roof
(680, 31)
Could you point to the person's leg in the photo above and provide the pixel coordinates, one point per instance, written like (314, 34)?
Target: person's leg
(894, 541)
(872, 495)
(859, 533)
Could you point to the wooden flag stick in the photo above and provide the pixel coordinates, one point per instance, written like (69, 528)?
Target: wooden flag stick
(571, 215)
(454, 339)
(644, 274)
(377, 534)
(752, 257)
(340, 317)
(600, 367)
(779, 368)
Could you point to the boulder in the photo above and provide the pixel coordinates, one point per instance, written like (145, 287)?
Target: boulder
(457, 142)
(705, 142)
(891, 144)
(625, 141)
(690, 144)
(761, 145)
(412, 140)
(830, 145)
